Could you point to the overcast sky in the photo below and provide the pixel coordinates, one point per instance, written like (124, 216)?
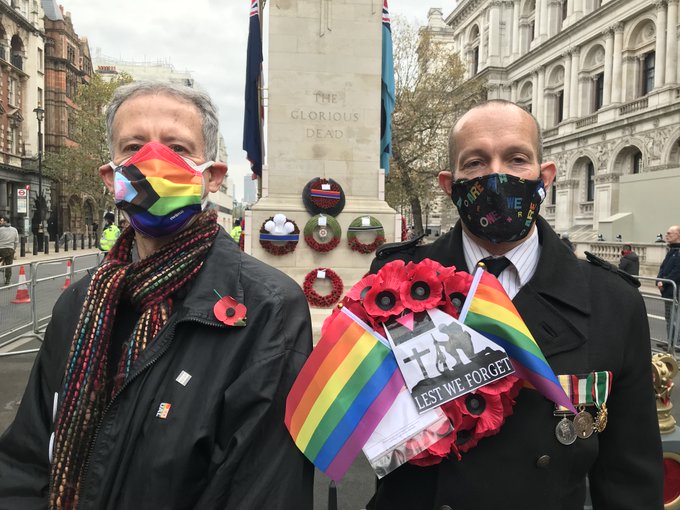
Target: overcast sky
(206, 37)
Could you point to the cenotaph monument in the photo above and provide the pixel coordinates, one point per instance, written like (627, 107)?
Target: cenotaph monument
(323, 121)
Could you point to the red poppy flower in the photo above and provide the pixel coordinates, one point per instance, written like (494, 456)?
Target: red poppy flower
(433, 265)
(456, 287)
(230, 311)
(358, 292)
(383, 299)
(422, 290)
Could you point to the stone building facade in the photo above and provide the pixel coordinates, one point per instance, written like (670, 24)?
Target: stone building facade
(602, 79)
(21, 91)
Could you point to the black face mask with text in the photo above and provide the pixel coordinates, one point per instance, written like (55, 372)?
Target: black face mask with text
(498, 207)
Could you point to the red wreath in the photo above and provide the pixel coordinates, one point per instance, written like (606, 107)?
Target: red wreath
(324, 203)
(313, 297)
(364, 248)
(421, 286)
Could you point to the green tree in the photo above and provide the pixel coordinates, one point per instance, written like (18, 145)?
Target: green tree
(430, 94)
(76, 167)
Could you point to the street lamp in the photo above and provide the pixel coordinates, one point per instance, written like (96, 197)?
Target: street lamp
(40, 115)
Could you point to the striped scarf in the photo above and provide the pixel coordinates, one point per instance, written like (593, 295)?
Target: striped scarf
(148, 285)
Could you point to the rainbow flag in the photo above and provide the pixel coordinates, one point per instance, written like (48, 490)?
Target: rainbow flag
(342, 392)
(489, 311)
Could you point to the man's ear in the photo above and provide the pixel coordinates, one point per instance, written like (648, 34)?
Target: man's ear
(445, 181)
(106, 173)
(548, 171)
(215, 176)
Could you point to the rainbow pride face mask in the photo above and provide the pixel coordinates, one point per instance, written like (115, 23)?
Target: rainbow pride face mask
(159, 190)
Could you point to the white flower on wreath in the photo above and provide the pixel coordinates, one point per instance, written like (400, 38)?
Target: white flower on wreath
(279, 226)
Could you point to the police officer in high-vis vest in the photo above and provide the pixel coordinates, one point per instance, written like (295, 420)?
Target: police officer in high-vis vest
(109, 234)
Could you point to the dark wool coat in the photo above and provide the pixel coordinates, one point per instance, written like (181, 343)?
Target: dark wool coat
(630, 263)
(585, 318)
(670, 270)
(223, 444)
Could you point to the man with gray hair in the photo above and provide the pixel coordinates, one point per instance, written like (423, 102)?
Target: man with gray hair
(162, 379)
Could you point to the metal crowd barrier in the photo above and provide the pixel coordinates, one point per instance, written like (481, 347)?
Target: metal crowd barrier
(26, 306)
(672, 327)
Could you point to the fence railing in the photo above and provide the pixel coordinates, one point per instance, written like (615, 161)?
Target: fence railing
(26, 305)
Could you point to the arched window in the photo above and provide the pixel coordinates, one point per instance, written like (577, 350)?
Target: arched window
(637, 162)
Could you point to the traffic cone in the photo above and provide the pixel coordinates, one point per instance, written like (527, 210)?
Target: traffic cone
(22, 290)
(67, 282)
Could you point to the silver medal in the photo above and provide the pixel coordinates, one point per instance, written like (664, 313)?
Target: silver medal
(565, 432)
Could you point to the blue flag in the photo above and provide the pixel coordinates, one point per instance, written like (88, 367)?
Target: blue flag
(387, 98)
(253, 115)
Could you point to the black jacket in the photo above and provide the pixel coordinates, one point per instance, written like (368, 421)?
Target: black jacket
(670, 270)
(630, 263)
(223, 445)
(585, 318)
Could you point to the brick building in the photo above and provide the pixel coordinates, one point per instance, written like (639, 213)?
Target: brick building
(67, 66)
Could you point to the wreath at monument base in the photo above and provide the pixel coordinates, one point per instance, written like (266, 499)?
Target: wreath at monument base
(331, 233)
(398, 289)
(313, 297)
(279, 243)
(365, 224)
(323, 196)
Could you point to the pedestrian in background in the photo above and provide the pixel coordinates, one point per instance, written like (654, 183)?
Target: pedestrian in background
(9, 240)
(670, 270)
(109, 234)
(629, 262)
(236, 231)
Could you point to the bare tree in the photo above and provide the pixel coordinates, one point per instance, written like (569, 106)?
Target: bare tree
(430, 94)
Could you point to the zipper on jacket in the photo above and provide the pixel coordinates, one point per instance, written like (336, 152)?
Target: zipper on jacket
(148, 364)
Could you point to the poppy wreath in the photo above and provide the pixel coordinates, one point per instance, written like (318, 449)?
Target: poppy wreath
(357, 226)
(414, 287)
(323, 196)
(313, 297)
(277, 247)
(331, 233)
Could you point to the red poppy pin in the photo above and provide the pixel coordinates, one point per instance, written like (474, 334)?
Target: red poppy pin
(230, 311)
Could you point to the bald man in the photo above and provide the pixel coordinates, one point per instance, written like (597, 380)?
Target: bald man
(589, 321)
(670, 270)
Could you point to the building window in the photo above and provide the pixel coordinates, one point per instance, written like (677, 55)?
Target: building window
(12, 91)
(553, 194)
(71, 54)
(647, 74)
(598, 91)
(40, 97)
(559, 106)
(532, 29)
(41, 60)
(564, 10)
(590, 182)
(637, 162)
(475, 60)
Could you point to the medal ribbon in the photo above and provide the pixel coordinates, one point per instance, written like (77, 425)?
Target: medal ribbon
(586, 389)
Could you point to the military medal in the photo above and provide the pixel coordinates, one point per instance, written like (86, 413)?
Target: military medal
(565, 432)
(583, 423)
(584, 390)
(601, 418)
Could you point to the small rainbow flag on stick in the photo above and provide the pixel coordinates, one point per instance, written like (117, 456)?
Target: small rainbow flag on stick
(489, 311)
(342, 392)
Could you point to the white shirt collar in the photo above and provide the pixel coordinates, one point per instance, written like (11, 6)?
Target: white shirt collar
(523, 257)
